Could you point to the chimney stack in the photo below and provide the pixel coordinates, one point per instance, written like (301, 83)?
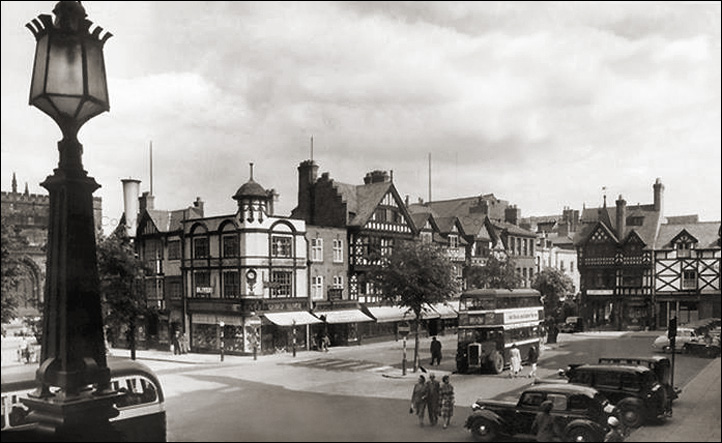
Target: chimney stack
(131, 189)
(621, 217)
(658, 196)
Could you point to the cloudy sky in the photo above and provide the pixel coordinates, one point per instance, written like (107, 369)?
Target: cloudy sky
(541, 104)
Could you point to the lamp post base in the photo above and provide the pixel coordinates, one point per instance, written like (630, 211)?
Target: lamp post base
(82, 418)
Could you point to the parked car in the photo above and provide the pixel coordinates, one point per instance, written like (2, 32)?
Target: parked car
(142, 407)
(581, 412)
(661, 366)
(684, 335)
(634, 390)
(572, 325)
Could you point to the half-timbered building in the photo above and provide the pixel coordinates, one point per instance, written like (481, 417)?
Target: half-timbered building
(374, 218)
(687, 270)
(615, 248)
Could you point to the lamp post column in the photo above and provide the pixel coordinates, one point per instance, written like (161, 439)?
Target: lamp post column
(222, 326)
(68, 59)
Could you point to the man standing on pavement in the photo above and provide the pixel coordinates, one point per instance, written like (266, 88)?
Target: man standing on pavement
(432, 399)
(435, 349)
(533, 358)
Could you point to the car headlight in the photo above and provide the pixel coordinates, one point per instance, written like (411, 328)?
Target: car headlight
(476, 406)
(609, 408)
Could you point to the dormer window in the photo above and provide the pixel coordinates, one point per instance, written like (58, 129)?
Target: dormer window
(683, 249)
(453, 241)
(426, 237)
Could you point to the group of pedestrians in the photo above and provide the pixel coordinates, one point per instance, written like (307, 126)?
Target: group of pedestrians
(433, 398)
(179, 344)
(515, 361)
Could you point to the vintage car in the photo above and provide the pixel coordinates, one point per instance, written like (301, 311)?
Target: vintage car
(141, 409)
(572, 325)
(684, 335)
(581, 413)
(634, 390)
(661, 366)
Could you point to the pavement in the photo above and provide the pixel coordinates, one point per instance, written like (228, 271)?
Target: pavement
(342, 370)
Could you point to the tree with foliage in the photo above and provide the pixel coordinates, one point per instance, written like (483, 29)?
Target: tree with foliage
(415, 276)
(121, 286)
(11, 269)
(497, 273)
(553, 285)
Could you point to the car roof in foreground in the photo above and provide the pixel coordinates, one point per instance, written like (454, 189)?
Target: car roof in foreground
(565, 388)
(23, 377)
(614, 368)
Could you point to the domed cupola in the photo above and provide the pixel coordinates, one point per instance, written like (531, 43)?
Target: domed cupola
(252, 200)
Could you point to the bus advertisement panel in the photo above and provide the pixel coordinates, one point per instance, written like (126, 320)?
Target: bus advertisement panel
(491, 321)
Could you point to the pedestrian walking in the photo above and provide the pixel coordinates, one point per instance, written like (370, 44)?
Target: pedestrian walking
(544, 425)
(326, 342)
(184, 345)
(418, 399)
(432, 399)
(175, 343)
(435, 349)
(24, 351)
(614, 434)
(446, 400)
(515, 361)
(532, 358)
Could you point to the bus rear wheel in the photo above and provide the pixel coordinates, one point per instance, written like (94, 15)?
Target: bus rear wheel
(496, 362)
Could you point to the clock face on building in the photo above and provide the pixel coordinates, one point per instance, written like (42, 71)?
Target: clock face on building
(251, 274)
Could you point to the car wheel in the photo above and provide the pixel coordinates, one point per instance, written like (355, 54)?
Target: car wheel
(484, 430)
(631, 415)
(496, 362)
(581, 433)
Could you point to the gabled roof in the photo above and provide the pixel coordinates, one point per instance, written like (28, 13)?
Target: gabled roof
(170, 221)
(368, 198)
(511, 229)
(420, 220)
(706, 233)
(646, 230)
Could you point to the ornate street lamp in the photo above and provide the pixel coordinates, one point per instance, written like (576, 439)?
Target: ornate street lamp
(69, 85)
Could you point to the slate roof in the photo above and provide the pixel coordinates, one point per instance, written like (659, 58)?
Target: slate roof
(647, 231)
(368, 197)
(706, 233)
(512, 229)
(170, 221)
(461, 207)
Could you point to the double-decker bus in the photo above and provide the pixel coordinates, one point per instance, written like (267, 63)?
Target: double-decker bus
(491, 321)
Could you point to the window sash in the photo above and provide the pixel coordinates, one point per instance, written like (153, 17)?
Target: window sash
(200, 247)
(338, 251)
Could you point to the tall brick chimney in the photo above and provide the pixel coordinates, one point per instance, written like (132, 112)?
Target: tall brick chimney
(658, 195)
(131, 189)
(512, 214)
(307, 175)
(621, 217)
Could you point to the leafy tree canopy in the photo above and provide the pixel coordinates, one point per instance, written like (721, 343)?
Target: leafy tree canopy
(416, 275)
(553, 284)
(11, 269)
(497, 273)
(121, 282)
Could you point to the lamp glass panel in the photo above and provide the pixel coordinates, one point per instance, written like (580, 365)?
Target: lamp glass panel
(44, 105)
(68, 106)
(89, 110)
(96, 72)
(41, 53)
(65, 69)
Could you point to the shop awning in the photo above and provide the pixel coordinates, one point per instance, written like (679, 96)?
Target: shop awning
(446, 310)
(344, 316)
(386, 314)
(287, 318)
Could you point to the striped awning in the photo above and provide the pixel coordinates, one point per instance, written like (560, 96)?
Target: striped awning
(288, 318)
(344, 316)
(386, 314)
(446, 310)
